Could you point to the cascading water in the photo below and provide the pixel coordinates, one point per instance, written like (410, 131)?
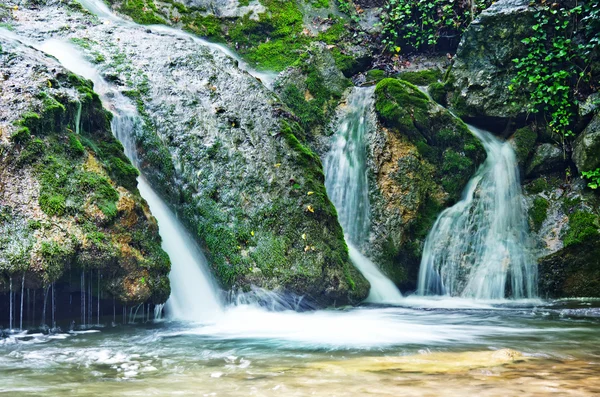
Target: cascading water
(347, 186)
(196, 297)
(479, 248)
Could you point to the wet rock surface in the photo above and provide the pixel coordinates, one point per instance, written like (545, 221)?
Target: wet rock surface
(224, 152)
(66, 205)
(483, 67)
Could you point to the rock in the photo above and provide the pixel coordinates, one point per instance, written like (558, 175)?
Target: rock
(590, 105)
(571, 272)
(546, 158)
(420, 159)
(523, 142)
(586, 149)
(483, 69)
(69, 202)
(227, 155)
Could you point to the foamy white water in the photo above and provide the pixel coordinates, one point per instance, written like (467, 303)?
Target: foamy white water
(480, 247)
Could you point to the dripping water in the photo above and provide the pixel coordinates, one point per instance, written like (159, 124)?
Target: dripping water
(347, 185)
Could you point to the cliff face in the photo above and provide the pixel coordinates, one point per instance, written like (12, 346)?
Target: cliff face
(69, 203)
(226, 154)
(563, 210)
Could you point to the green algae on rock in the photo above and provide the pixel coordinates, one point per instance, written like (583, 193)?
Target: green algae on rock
(69, 201)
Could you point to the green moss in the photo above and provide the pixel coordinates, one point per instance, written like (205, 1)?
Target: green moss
(75, 147)
(539, 212)
(399, 104)
(441, 139)
(421, 77)
(124, 173)
(439, 92)
(142, 12)
(320, 3)
(375, 75)
(583, 226)
(524, 140)
(53, 204)
(56, 257)
(538, 185)
(21, 135)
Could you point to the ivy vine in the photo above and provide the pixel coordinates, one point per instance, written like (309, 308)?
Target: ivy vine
(420, 24)
(556, 72)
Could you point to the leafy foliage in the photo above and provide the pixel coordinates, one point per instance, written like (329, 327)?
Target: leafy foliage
(419, 24)
(563, 43)
(594, 177)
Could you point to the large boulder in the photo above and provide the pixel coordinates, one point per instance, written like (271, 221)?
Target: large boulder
(69, 203)
(547, 157)
(586, 149)
(484, 65)
(420, 159)
(226, 154)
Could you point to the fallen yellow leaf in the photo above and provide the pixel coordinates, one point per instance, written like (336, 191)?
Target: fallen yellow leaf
(277, 165)
(310, 193)
(304, 236)
(310, 208)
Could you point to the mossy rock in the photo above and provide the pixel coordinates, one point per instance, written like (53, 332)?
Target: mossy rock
(421, 77)
(523, 141)
(73, 200)
(573, 271)
(441, 139)
(538, 212)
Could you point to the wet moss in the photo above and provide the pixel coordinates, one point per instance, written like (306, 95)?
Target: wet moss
(421, 77)
(583, 226)
(439, 92)
(524, 141)
(441, 139)
(375, 75)
(538, 212)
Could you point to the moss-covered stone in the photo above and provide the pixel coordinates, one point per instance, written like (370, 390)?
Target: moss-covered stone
(421, 77)
(72, 198)
(441, 139)
(523, 141)
(422, 160)
(538, 212)
(438, 92)
(583, 226)
(572, 272)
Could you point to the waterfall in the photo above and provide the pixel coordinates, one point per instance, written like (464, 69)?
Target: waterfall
(347, 186)
(479, 248)
(194, 295)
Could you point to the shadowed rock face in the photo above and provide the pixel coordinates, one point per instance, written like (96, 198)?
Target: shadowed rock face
(69, 202)
(484, 68)
(223, 151)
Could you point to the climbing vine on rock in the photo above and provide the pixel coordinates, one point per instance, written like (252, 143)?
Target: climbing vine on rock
(557, 70)
(421, 24)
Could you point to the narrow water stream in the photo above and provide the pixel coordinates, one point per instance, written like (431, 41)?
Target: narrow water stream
(348, 188)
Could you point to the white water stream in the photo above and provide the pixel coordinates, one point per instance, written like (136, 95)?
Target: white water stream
(480, 248)
(347, 186)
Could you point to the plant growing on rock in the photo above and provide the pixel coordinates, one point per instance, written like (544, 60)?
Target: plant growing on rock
(422, 24)
(557, 70)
